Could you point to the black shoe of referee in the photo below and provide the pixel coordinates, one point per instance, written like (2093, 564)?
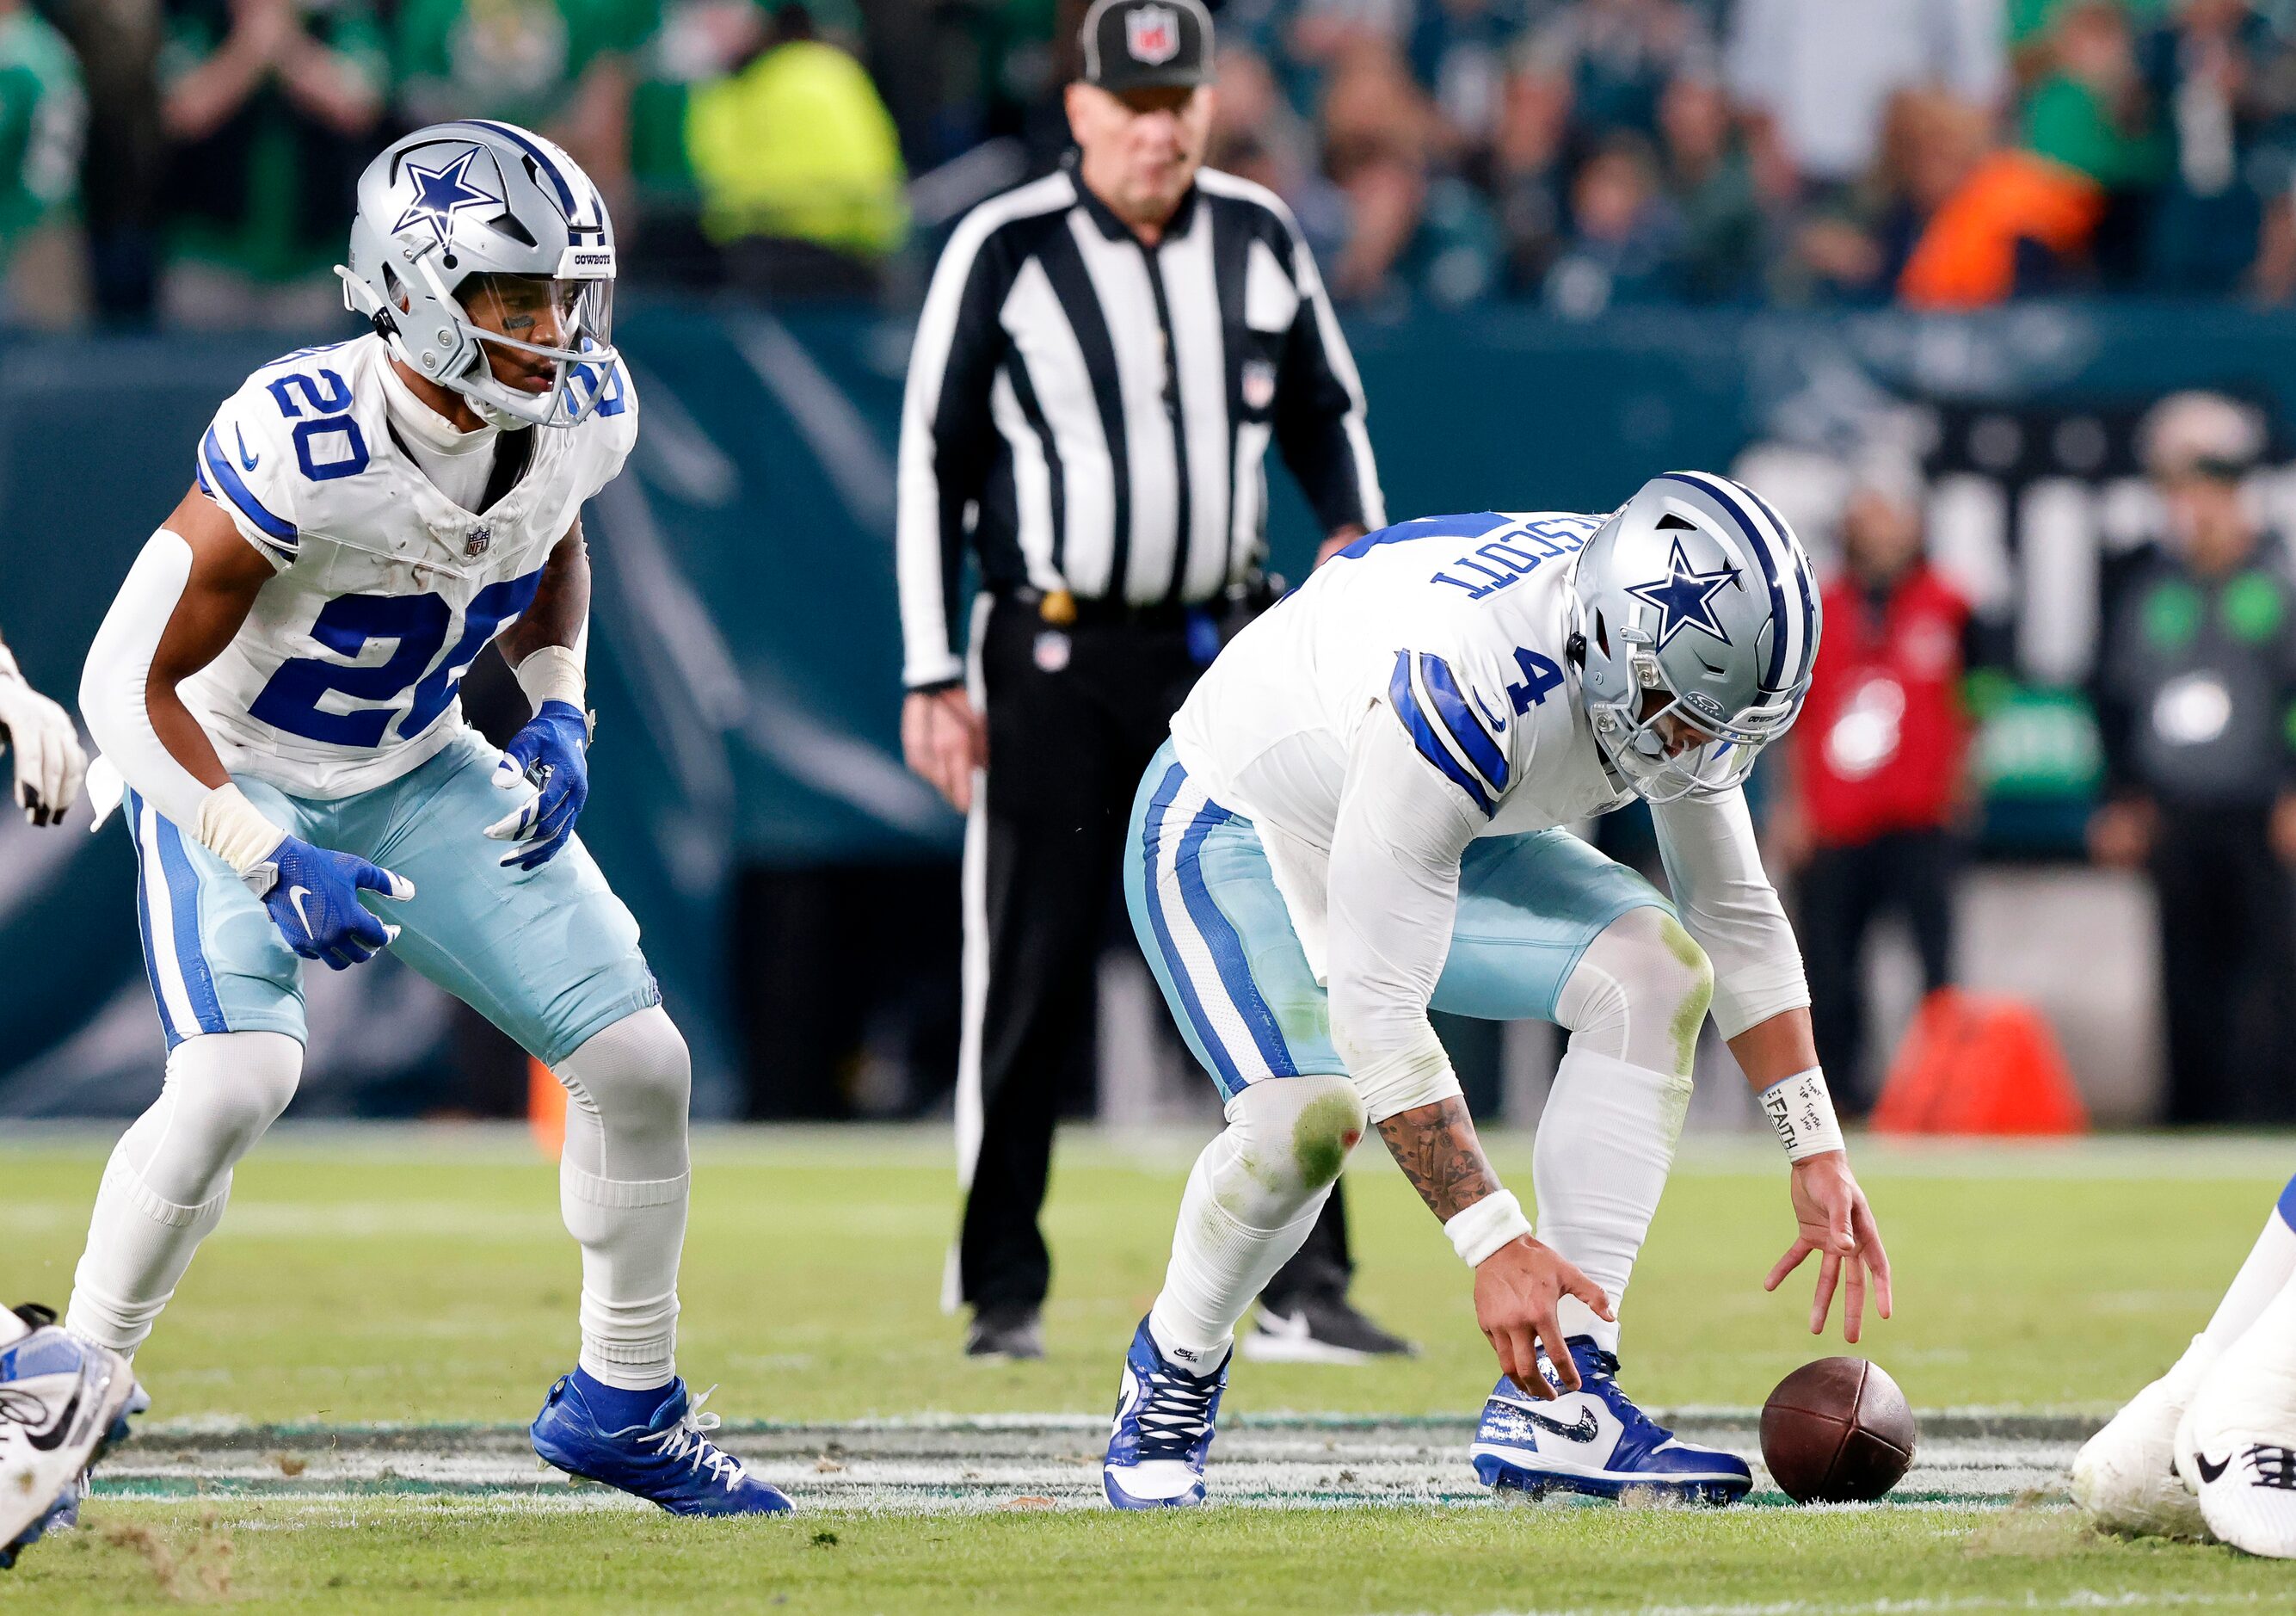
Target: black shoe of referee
(1012, 1333)
(1317, 1327)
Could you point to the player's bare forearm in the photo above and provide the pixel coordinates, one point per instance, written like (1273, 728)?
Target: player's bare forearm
(1771, 1051)
(562, 602)
(226, 574)
(1436, 1147)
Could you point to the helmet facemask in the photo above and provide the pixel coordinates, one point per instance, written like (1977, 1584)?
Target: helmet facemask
(1668, 744)
(556, 329)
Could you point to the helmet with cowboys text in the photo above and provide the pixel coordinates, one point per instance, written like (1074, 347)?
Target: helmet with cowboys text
(1700, 621)
(484, 257)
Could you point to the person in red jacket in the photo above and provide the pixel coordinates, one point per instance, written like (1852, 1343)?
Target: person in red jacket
(1877, 765)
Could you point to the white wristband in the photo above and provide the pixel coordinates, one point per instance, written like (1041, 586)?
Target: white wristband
(553, 673)
(234, 830)
(1803, 1111)
(1486, 1226)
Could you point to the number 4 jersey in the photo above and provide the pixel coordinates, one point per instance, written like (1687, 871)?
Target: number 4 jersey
(346, 674)
(1459, 625)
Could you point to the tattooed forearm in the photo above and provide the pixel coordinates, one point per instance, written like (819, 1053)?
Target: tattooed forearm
(1436, 1147)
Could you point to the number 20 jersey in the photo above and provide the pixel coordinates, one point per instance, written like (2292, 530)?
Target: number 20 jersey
(346, 674)
(1460, 626)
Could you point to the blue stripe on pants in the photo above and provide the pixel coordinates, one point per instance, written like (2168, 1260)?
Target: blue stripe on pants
(134, 806)
(184, 899)
(1151, 839)
(1228, 948)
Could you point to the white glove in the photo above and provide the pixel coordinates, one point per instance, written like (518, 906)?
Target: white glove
(49, 761)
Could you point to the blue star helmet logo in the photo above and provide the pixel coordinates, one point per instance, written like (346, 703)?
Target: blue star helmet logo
(1684, 597)
(442, 192)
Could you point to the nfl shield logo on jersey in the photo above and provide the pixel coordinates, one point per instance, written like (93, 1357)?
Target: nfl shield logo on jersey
(1152, 34)
(475, 544)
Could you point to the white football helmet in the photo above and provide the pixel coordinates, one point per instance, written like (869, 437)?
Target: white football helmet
(468, 216)
(1696, 609)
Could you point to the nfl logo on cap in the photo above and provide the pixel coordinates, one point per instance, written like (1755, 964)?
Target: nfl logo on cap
(1151, 34)
(1146, 45)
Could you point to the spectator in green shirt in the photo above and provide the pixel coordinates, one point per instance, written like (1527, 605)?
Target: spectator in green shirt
(561, 67)
(270, 108)
(43, 126)
(798, 165)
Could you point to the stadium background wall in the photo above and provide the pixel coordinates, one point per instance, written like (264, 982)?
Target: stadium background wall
(745, 654)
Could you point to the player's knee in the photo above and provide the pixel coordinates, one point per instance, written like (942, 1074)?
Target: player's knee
(233, 1085)
(1650, 987)
(1295, 1133)
(637, 1072)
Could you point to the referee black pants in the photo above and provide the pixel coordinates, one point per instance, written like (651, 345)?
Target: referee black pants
(1075, 713)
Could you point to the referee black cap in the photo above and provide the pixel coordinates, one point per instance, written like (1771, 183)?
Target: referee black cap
(1145, 44)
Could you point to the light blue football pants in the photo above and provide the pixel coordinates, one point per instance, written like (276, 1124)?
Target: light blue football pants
(550, 955)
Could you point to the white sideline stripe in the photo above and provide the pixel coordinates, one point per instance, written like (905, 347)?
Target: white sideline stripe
(2079, 1599)
(161, 905)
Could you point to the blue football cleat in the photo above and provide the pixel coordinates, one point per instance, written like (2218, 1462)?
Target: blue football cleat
(1595, 1441)
(63, 1404)
(1164, 1416)
(669, 1460)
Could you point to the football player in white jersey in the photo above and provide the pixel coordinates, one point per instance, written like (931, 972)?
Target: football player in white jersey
(2208, 1450)
(1357, 817)
(275, 684)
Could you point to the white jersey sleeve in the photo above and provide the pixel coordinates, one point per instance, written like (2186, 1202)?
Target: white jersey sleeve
(1714, 864)
(1394, 895)
(251, 458)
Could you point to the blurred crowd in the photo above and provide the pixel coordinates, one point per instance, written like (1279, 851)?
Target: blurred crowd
(191, 161)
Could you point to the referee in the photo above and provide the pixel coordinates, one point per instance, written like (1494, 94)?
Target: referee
(1102, 361)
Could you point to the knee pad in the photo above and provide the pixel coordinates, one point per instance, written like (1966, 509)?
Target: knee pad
(1291, 1136)
(1640, 993)
(638, 1070)
(228, 1086)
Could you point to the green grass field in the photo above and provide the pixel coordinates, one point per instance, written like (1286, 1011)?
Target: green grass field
(421, 1279)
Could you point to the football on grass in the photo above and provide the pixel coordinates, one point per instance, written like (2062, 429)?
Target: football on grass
(1837, 1432)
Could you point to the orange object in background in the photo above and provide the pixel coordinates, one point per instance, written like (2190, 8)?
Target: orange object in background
(546, 1109)
(1979, 1063)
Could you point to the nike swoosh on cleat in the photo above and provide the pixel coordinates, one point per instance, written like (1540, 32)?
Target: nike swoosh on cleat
(1584, 1429)
(295, 895)
(248, 461)
(52, 1439)
(2209, 1469)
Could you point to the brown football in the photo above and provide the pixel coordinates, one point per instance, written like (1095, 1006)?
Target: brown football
(1837, 1432)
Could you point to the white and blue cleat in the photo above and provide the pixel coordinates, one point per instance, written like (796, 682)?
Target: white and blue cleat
(669, 1460)
(64, 1403)
(1164, 1416)
(1595, 1441)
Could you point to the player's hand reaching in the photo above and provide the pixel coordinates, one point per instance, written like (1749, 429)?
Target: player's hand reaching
(49, 761)
(313, 897)
(550, 755)
(1834, 1221)
(1517, 1290)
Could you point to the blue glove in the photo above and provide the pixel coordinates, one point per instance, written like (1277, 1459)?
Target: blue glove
(552, 755)
(313, 897)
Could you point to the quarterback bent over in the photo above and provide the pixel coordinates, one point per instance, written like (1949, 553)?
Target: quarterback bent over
(275, 687)
(1357, 817)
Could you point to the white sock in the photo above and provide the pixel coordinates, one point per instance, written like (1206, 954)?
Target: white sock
(169, 1176)
(1251, 1199)
(1605, 1144)
(2271, 1261)
(622, 1182)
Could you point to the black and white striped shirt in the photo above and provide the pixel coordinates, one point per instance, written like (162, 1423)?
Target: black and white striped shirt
(1095, 413)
